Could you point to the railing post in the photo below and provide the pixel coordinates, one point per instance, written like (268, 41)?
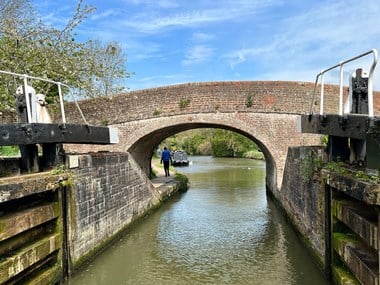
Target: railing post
(341, 89)
(370, 84)
(61, 103)
(322, 95)
(27, 99)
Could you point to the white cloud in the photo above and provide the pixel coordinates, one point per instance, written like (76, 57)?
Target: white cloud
(322, 34)
(105, 14)
(203, 37)
(197, 55)
(154, 3)
(153, 22)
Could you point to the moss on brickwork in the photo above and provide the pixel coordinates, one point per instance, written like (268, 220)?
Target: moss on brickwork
(342, 276)
(183, 182)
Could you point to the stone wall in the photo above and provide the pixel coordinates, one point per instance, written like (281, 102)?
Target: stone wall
(109, 193)
(303, 198)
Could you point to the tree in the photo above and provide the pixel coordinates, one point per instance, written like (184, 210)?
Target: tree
(111, 67)
(216, 142)
(27, 46)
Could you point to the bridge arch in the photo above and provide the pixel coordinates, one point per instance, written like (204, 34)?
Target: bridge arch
(142, 149)
(263, 129)
(264, 111)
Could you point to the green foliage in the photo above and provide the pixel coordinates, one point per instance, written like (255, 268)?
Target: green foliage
(59, 169)
(310, 164)
(230, 144)
(12, 150)
(249, 101)
(28, 46)
(217, 142)
(338, 167)
(183, 182)
(220, 148)
(183, 103)
(324, 140)
(156, 112)
(366, 177)
(254, 154)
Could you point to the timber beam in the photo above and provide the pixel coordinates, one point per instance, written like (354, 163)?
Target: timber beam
(350, 126)
(354, 136)
(37, 133)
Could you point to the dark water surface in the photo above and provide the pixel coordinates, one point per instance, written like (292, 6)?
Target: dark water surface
(224, 230)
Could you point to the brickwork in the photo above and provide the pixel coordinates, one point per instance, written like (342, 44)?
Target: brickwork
(265, 111)
(191, 98)
(303, 199)
(110, 192)
(273, 133)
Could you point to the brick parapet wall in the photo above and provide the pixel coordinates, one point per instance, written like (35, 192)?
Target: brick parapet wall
(110, 192)
(190, 98)
(202, 97)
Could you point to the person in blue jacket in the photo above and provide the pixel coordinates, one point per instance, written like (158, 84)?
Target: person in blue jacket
(166, 157)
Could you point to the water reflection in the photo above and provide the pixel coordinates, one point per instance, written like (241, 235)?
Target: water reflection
(222, 231)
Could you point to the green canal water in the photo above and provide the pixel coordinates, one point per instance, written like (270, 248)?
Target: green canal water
(224, 230)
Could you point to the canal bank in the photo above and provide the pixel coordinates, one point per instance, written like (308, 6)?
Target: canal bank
(224, 230)
(53, 222)
(334, 207)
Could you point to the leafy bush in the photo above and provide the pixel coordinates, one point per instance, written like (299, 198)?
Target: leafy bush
(11, 150)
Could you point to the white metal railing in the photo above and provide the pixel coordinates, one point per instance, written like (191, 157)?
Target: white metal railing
(25, 78)
(340, 65)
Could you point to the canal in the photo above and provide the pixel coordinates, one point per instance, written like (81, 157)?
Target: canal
(224, 230)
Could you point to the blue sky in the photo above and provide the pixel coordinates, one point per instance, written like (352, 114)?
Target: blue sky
(176, 41)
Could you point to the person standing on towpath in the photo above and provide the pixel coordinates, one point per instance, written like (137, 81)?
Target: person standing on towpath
(166, 157)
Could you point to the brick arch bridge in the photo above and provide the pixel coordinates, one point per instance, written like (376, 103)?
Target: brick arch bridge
(264, 111)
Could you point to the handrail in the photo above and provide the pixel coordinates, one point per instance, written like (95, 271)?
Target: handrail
(340, 65)
(59, 84)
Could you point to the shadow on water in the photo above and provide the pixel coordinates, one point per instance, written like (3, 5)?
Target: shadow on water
(224, 230)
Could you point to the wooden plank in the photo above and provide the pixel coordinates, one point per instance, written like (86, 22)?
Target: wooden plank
(49, 276)
(35, 133)
(12, 188)
(28, 256)
(353, 126)
(362, 262)
(361, 219)
(15, 223)
(21, 239)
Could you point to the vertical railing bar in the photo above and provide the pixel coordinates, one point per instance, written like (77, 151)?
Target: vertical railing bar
(27, 99)
(59, 84)
(322, 95)
(341, 89)
(314, 91)
(61, 103)
(79, 109)
(370, 84)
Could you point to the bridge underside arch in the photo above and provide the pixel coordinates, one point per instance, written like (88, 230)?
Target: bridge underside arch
(143, 149)
(273, 133)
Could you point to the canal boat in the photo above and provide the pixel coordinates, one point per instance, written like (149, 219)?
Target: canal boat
(179, 158)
